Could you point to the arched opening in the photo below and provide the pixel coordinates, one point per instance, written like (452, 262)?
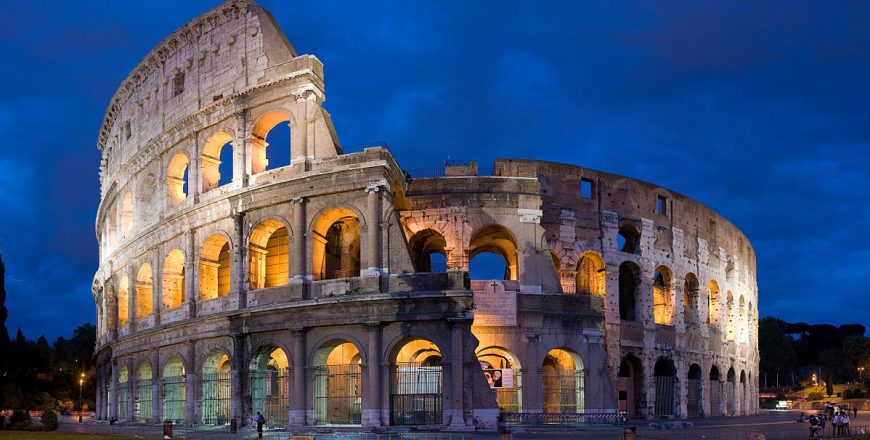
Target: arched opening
(502, 371)
(694, 385)
(428, 250)
(628, 239)
(591, 275)
(217, 388)
(713, 302)
(498, 240)
(629, 280)
(270, 386)
(144, 289)
(142, 404)
(729, 315)
(741, 320)
(664, 373)
(630, 386)
(173, 280)
(176, 179)
(744, 396)
(214, 268)
(663, 303)
(123, 301)
(112, 228)
(216, 155)
(715, 386)
(127, 214)
(270, 142)
(337, 384)
(731, 391)
(336, 244)
(416, 384)
(268, 250)
(174, 390)
(563, 382)
(690, 299)
(123, 393)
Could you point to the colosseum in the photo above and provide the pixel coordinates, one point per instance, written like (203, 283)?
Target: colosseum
(249, 262)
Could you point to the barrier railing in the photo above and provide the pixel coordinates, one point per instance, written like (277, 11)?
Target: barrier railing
(560, 419)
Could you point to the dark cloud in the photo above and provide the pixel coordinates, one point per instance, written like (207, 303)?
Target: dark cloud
(757, 109)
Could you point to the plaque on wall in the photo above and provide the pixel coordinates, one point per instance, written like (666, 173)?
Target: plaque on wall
(494, 305)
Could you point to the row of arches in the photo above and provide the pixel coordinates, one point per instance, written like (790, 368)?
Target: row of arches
(218, 163)
(416, 386)
(492, 253)
(706, 394)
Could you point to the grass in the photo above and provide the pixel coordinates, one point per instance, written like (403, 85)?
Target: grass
(25, 435)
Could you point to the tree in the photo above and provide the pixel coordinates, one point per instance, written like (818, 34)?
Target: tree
(856, 351)
(775, 347)
(4, 334)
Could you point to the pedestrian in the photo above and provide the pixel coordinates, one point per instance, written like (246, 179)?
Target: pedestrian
(845, 420)
(835, 424)
(855, 412)
(822, 425)
(814, 426)
(260, 420)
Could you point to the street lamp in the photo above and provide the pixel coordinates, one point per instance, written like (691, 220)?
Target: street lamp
(861, 372)
(81, 405)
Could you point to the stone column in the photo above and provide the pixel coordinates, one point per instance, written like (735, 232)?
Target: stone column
(156, 388)
(298, 266)
(131, 298)
(157, 284)
(241, 272)
(532, 372)
(113, 392)
(372, 259)
(191, 275)
(191, 385)
(371, 399)
(681, 382)
(297, 396)
(241, 157)
(194, 171)
(455, 410)
(99, 386)
(239, 373)
(131, 389)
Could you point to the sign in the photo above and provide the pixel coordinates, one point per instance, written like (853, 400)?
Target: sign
(493, 304)
(497, 377)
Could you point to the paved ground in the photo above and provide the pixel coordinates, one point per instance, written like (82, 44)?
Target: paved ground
(780, 425)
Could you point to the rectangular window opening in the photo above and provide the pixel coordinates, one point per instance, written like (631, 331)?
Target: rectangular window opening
(178, 84)
(586, 188)
(662, 206)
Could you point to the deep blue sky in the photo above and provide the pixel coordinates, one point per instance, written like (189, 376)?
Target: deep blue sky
(761, 110)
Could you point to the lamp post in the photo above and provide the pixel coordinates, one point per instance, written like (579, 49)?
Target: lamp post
(861, 372)
(81, 382)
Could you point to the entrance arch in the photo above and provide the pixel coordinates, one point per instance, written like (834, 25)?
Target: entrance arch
(144, 377)
(335, 244)
(731, 390)
(715, 386)
(693, 392)
(416, 384)
(664, 373)
(498, 240)
(216, 388)
(563, 382)
(174, 390)
(337, 384)
(123, 393)
(509, 393)
(270, 385)
(630, 386)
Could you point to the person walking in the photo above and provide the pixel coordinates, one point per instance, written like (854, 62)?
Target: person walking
(260, 420)
(822, 425)
(835, 424)
(855, 412)
(845, 420)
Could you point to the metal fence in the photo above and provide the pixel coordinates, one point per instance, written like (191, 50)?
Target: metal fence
(563, 392)
(693, 397)
(174, 396)
(123, 401)
(561, 419)
(143, 400)
(216, 395)
(337, 395)
(416, 394)
(270, 393)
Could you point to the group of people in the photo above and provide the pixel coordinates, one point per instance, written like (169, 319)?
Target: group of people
(839, 424)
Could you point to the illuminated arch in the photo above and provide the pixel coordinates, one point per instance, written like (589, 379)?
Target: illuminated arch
(423, 245)
(173, 280)
(563, 382)
(268, 248)
(336, 244)
(144, 291)
(591, 274)
(214, 267)
(713, 302)
(270, 384)
(174, 389)
(416, 383)
(259, 156)
(216, 388)
(337, 380)
(123, 301)
(176, 179)
(663, 296)
(211, 159)
(144, 388)
(498, 240)
(509, 399)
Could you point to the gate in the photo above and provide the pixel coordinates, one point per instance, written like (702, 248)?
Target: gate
(511, 399)
(143, 400)
(123, 401)
(562, 393)
(731, 401)
(337, 398)
(416, 394)
(715, 398)
(216, 394)
(270, 393)
(664, 396)
(693, 398)
(174, 394)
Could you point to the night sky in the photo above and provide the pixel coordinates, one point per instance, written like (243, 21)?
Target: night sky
(761, 110)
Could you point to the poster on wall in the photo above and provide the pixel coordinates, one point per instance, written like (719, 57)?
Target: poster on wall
(498, 377)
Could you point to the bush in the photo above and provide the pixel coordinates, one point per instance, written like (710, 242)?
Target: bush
(49, 420)
(19, 417)
(853, 393)
(815, 395)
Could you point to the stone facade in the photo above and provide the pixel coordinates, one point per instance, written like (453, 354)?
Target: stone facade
(309, 291)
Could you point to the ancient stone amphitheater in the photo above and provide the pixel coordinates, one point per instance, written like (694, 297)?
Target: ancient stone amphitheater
(249, 262)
